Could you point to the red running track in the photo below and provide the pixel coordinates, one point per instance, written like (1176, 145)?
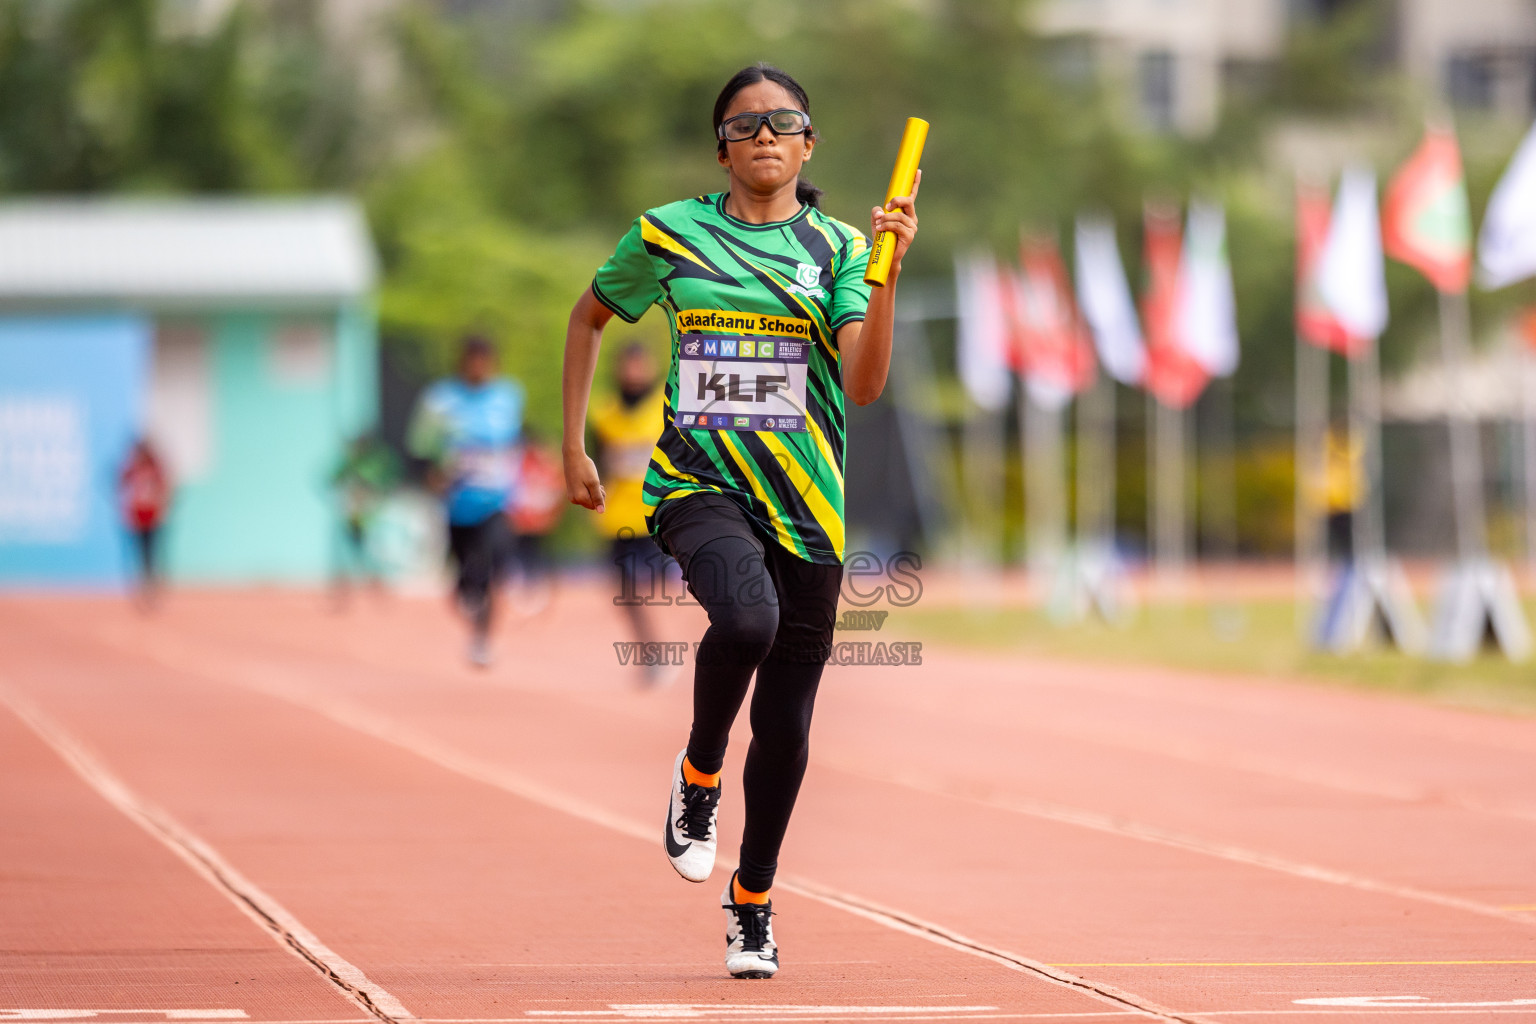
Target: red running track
(246, 808)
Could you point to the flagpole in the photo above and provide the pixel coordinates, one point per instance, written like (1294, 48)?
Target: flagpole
(1044, 499)
(997, 471)
(1528, 364)
(1368, 534)
(1478, 595)
(1107, 594)
(1093, 584)
(1220, 491)
(1029, 440)
(1086, 467)
(1075, 598)
(1311, 420)
(1154, 469)
(1095, 462)
(970, 476)
(1466, 457)
(1103, 436)
(1186, 478)
(1171, 520)
(983, 483)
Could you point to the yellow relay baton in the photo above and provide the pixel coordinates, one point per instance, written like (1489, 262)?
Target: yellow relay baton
(902, 179)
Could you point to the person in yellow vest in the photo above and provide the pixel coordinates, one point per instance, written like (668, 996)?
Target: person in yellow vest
(626, 427)
(1343, 490)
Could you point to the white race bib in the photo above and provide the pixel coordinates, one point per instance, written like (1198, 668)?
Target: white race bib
(741, 382)
(483, 468)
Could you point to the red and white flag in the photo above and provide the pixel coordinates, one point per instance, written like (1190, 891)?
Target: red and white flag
(1052, 351)
(1174, 376)
(1315, 323)
(1351, 274)
(1205, 315)
(1506, 246)
(984, 332)
(1105, 298)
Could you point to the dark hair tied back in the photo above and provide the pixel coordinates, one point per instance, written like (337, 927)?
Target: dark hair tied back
(805, 192)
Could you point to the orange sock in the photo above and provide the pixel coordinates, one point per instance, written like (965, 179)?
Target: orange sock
(741, 895)
(698, 778)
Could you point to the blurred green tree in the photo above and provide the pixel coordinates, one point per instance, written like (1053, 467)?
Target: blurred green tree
(115, 95)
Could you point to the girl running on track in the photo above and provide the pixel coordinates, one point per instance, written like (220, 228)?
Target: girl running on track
(772, 324)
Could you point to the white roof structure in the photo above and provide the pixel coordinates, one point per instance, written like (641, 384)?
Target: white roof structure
(1492, 387)
(184, 251)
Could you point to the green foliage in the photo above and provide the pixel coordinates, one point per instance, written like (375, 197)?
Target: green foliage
(593, 117)
(455, 269)
(1330, 65)
(112, 95)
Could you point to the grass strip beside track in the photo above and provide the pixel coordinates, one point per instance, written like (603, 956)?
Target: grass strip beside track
(1256, 637)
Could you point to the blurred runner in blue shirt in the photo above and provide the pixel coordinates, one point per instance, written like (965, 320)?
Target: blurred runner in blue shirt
(468, 427)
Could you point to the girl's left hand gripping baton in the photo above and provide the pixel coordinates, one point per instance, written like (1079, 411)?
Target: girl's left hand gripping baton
(902, 180)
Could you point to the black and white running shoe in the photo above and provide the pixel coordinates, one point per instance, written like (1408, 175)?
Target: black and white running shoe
(749, 948)
(690, 830)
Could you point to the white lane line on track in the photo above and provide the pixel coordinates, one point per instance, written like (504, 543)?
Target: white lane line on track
(75, 1013)
(1188, 753)
(709, 1018)
(712, 1017)
(1351, 1011)
(724, 1009)
(1095, 821)
(1124, 828)
(1210, 756)
(1410, 1002)
(274, 683)
(716, 1007)
(381, 727)
(714, 1012)
(367, 722)
(255, 903)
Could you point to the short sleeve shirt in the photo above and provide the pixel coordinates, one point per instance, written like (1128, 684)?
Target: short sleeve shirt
(753, 404)
(472, 433)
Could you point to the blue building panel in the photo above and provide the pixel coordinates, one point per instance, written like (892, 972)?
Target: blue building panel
(72, 391)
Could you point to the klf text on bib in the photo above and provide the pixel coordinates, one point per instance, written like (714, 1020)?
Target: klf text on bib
(741, 382)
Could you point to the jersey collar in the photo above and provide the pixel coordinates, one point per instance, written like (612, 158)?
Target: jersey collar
(805, 209)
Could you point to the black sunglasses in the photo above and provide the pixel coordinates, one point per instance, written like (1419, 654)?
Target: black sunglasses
(783, 121)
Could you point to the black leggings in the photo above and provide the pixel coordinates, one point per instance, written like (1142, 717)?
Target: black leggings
(146, 539)
(480, 550)
(769, 612)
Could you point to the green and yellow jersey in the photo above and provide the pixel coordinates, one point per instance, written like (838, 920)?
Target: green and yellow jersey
(753, 405)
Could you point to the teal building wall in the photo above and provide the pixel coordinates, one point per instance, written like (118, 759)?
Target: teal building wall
(262, 510)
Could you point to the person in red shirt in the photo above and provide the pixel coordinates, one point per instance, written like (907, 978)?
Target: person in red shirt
(144, 490)
(538, 502)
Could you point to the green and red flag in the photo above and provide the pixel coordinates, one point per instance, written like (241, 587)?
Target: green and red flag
(1425, 220)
